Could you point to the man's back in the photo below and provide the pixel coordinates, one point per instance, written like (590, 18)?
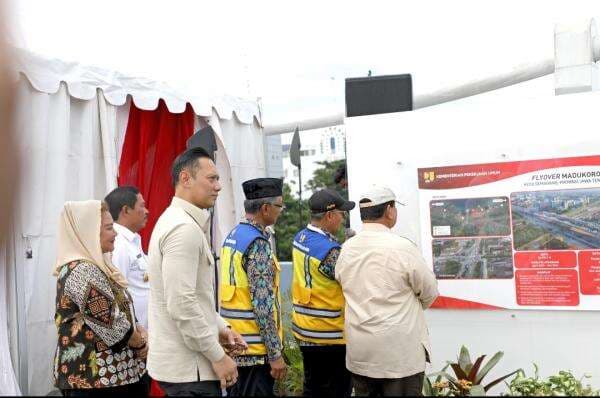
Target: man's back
(386, 285)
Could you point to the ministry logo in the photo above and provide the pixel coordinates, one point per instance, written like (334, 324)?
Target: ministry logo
(429, 176)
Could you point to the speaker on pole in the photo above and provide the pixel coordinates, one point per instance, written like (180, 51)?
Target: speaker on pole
(378, 94)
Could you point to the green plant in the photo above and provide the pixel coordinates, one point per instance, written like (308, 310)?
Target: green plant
(564, 384)
(437, 388)
(293, 383)
(468, 379)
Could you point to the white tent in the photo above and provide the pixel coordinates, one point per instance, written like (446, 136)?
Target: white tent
(71, 125)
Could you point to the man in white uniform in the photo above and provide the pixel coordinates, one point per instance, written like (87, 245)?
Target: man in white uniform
(128, 209)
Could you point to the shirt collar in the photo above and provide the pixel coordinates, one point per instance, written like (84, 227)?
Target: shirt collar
(258, 226)
(375, 227)
(322, 232)
(201, 216)
(125, 232)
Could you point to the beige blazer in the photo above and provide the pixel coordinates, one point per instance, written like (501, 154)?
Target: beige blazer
(387, 285)
(183, 323)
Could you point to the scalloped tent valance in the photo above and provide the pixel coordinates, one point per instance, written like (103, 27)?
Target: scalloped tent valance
(46, 74)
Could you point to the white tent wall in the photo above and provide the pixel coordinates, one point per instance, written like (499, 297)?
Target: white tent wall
(8, 381)
(68, 149)
(493, 127)
(240, 156)
(70, 135)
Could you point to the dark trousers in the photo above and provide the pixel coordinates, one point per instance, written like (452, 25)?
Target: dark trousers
(142, 387)
(325, 373)
(253, 381)
(117, 391)
(411, 386)
(139, 389)
(209, 388)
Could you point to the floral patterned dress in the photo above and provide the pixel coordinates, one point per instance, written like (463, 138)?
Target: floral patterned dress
(94, 321)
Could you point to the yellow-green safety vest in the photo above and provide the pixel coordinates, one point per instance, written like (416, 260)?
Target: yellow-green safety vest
(318, 301)
(236, 304)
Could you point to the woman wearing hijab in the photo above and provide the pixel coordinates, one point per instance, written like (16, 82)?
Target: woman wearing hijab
(100, 348)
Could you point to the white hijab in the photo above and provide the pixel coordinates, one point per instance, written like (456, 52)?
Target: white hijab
(79, 238)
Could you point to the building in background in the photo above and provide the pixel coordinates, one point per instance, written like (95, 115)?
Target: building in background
(273, 156)
(326, 144)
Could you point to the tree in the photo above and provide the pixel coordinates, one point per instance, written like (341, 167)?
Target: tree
(324, 177)
(289, 223)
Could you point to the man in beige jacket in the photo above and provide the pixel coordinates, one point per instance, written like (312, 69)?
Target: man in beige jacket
(387, 285)
(186, 354)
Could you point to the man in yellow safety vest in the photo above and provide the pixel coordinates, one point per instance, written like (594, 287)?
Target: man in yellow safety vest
(249, 282)
(318, 301)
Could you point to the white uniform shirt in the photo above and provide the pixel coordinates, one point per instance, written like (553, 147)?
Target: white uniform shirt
(129, 257)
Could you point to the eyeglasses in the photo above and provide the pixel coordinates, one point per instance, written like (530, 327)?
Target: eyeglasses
(282, 206)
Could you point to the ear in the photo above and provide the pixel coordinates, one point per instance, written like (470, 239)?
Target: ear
(124, 209)
(184, 177)
(388, 212)
(264, 210)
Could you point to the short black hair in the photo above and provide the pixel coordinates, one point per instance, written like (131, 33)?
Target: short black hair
(375, 212)
(119, 197)
(187, 160)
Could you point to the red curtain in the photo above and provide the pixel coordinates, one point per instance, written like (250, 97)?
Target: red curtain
(152, 141)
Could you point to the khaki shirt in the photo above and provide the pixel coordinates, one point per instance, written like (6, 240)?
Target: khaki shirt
(387, 285)
(183, 322)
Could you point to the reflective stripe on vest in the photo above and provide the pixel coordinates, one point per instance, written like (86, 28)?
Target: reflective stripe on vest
(318, 300)
(236, 302)
(321, 313)
(237, 314)
(252, 338)
(318, 334)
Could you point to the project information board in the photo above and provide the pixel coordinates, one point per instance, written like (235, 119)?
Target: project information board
(514, 235)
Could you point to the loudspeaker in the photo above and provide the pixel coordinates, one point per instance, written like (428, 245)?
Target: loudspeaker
(378, 94)
(204, 138)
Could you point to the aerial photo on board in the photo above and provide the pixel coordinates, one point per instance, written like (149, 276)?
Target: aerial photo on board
(556, 220)
(476, 258)
(470, 217)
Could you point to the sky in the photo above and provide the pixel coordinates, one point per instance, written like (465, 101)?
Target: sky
(294, 56)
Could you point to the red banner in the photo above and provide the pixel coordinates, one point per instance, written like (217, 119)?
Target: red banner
(546, 259)
(548, 287)
(470, 175)
(589, 269)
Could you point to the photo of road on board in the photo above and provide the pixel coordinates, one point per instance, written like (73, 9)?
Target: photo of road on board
(556, 220)
(470, 217)
(475, 258)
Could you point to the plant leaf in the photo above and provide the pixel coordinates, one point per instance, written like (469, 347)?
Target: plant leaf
(460, 374)
(464, 359)
(474, 369)
(439, 377)
(427, 387)
(498, 380)
(488, 366)
(477, 390)
(446, 375)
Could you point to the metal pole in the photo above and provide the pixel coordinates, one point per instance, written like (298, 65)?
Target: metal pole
(300, 196)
